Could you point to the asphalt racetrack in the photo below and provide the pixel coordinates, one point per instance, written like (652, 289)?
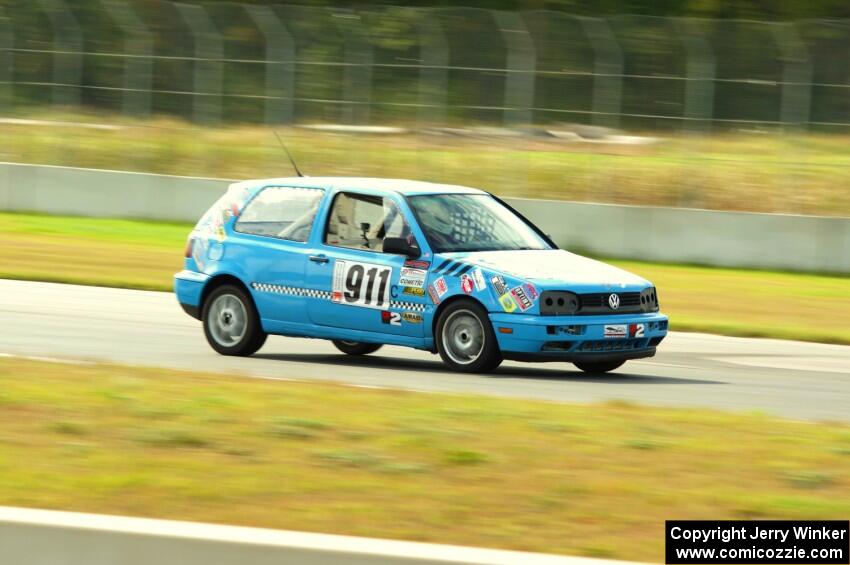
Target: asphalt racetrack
(785, 378)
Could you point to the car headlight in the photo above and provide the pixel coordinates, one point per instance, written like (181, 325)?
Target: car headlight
(558, 303)
(649, 299)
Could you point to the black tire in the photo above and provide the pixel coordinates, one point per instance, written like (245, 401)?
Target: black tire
(598, 366)
(462, 353)
(355, 347)
(236, 300)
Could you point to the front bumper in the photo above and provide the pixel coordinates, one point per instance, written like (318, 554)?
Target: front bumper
(571, 338)
(188, 286)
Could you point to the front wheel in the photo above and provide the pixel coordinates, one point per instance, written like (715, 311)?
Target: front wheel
(598, 366)
(355, 347)
(231, 323)
(465, 338)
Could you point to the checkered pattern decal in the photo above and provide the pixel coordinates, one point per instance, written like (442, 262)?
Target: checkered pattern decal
(398, 305)
(292, 290)
(326, 295)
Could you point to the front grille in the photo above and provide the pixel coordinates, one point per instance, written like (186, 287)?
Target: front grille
(601, 299)
(655, 340)
(565, 303)
(558, 345)
(601, 345)
(597, 303)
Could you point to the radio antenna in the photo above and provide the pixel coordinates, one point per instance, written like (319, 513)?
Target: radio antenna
(288, 154)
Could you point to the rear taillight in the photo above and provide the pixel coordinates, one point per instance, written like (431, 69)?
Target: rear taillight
(190, 244)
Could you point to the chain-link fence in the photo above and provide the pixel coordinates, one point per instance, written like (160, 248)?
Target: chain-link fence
(512, 75)
(224, 62)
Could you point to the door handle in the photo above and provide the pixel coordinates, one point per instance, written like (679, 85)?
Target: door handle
(318, 259)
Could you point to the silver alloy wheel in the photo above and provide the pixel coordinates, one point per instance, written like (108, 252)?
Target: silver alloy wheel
(228, 320)
(463, 337)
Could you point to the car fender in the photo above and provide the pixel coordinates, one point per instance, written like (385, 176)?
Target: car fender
(452, 279)
(216, 272)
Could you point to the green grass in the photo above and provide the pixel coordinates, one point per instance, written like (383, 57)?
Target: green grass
(145, 255)
(751, 303)
(94, 251)
(595, 480)
(731, 171)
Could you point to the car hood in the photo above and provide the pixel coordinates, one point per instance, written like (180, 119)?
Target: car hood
(551, 266)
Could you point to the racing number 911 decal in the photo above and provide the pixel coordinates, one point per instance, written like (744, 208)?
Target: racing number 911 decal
(361, 284)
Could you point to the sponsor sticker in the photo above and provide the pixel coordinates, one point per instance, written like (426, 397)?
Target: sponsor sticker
(338, 281)
(522, 300)
(411, 317)
(637, 330)
(391, 318)
(412, 277)
(361, 284)
(433, 294)
(508, 303)
(615, 330)
(499, 284)
(531, 291)
(413, 291)
(478, 279)
(466, 284)
(417, 264)
(441, 287)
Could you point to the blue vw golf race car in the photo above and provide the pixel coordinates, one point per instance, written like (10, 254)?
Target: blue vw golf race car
(447, 269)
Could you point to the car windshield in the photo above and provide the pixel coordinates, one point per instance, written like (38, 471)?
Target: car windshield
(472, 222)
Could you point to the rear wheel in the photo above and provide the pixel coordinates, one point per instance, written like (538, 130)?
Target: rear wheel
(355, 347)
(598, 366)
(465, 338)
(231, 323)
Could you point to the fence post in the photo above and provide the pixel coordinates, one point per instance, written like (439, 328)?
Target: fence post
(280, 64)
(67, 56)
(796, 76)
(521, 64)
(7, 75)
(357, 81)
(700, 73)
(138, 66)
(433, 72)
(698, 107)
(208, 64)
(607, 71)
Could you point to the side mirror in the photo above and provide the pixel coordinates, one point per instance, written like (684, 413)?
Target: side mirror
(399, 246)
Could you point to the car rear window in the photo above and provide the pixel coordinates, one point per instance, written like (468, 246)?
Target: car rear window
(281, 211)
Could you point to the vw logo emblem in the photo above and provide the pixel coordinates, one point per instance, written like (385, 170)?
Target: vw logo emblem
(614, 301)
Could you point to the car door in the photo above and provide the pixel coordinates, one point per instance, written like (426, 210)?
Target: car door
(272, 234)
(369, 290)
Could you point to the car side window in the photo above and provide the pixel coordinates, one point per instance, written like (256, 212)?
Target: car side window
(362, 221)
(281, 211)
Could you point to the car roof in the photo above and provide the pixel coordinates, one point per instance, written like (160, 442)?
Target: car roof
(400, 186)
